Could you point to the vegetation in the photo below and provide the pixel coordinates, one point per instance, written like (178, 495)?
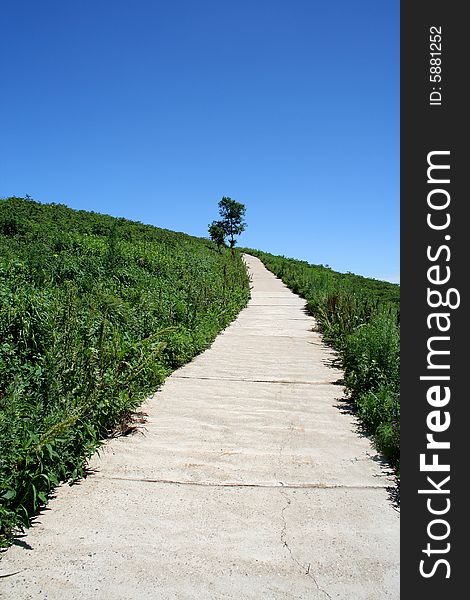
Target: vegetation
(360, 318)
(95, 312)
(232, 223)
(217, 233)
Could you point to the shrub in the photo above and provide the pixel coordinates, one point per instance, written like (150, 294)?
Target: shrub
(371, 356)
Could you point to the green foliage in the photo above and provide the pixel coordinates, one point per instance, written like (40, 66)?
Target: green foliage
(380, 412)
(232, 223)
(217, 233)
(95, 312)
(371, 355)
(360, 318)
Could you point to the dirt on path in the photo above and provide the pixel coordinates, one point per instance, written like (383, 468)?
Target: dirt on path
(250, 479)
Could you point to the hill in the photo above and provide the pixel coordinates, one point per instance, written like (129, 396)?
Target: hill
(95, 312)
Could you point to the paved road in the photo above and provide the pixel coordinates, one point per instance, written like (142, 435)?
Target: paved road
(249, 480)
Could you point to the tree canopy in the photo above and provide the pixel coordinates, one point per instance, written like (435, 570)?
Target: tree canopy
(231, 223)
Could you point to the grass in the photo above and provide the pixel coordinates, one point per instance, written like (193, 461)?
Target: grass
(95, 312)
(360, 318)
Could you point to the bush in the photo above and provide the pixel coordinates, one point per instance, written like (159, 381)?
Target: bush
(371, 356)
(380, 412)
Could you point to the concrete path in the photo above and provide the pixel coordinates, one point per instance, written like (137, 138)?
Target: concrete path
(249, 480)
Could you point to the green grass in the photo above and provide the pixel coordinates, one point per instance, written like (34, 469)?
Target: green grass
(360, 318)
(95, 312)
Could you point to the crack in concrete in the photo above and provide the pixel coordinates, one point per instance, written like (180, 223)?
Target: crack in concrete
(292, 304)
(306, 570)
(231, 484)
(288, 381)
(11, 574)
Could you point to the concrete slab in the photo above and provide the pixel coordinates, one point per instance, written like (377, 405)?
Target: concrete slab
(249, 480)
(248, 543)
(249, 434)
(266, 358)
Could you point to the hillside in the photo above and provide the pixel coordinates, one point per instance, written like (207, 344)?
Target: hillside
(95, 312)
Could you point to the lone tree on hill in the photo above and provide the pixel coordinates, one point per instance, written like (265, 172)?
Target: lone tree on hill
(231, 223)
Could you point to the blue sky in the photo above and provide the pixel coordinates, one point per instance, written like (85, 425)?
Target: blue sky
(155, 109)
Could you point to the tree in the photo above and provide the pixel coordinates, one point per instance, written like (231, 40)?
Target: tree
(232, 222)
(217, 233)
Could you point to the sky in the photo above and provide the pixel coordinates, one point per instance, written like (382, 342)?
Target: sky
(154, 109)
